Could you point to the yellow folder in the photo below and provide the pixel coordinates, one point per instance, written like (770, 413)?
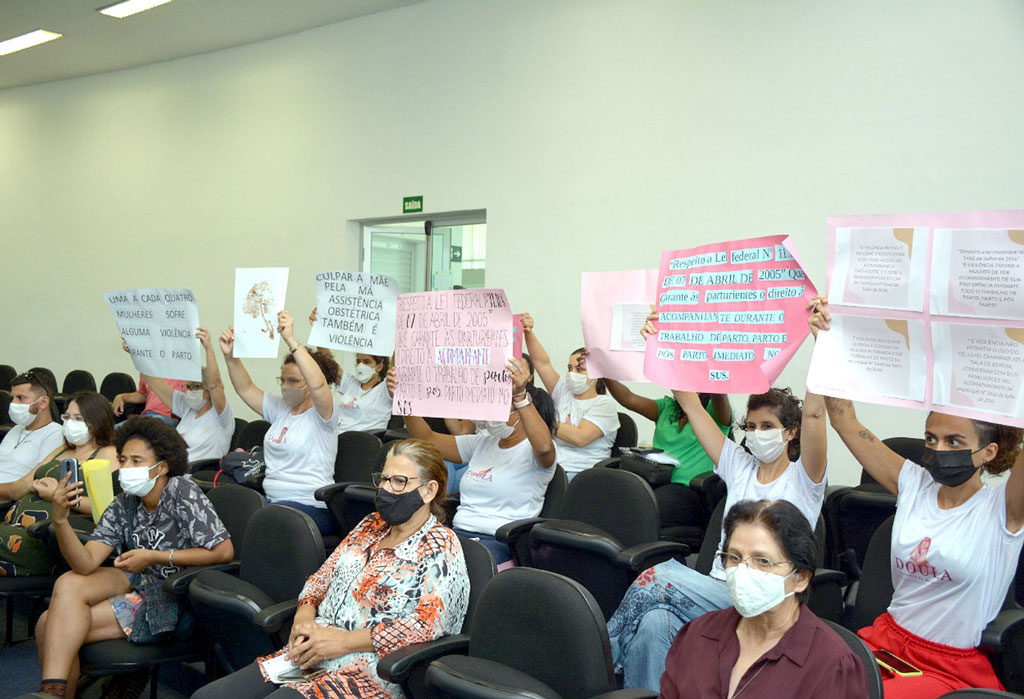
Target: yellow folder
(99, 485)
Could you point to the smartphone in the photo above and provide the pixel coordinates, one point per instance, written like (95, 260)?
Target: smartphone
(895, 664)
(298, 675)
(70, 466)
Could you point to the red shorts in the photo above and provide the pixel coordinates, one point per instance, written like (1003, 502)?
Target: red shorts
(945, 668)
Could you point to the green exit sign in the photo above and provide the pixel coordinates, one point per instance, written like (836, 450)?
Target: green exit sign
(412, 205)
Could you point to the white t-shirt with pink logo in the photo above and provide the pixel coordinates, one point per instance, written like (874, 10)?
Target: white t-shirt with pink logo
(362, 410)
(950, 568)
(500, 485)
(299, 451)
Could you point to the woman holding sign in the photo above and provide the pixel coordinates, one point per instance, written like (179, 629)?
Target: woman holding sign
(956, 543)
(509, 467)
(302, 443)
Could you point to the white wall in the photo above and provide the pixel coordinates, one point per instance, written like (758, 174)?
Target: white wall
(595, 134)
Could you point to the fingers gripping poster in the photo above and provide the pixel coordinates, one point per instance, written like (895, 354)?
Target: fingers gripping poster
(730, 316)
(259, 297)
(159, 327)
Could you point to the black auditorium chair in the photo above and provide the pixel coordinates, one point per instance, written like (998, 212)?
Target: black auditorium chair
(204, 474)
(246, 610)
(7, 372)
(607, 533)
(76, 380)
(360, 454)
(406, 667)
(115, 383)
(235, 505)
(239, 425)
(5, 402)
(534, 634)
(626, 436)
(252, 434)
(864, 655)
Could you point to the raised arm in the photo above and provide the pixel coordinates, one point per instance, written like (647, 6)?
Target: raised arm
(250, 393)
(323, 398)
(456, 426)
(704, 426)
(631, 401)
(722, 407)
(213, 381)
(813, 439)
(419, 429)
(538, 355)
(163, 391)
(536, 429)
(1015, 495)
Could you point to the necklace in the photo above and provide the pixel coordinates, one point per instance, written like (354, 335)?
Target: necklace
(747, 684)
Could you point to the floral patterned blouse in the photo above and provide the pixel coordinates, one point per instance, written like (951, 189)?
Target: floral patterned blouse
(416, 592)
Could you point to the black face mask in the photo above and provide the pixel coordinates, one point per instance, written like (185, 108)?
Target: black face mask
(397, 508)
(950, 468)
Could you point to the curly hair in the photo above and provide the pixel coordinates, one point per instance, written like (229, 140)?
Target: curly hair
(325, 360)
(164, 440)
(785, 406)
(1008, 439)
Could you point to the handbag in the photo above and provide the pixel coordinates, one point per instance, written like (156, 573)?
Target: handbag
(245, 467)
(654, 472)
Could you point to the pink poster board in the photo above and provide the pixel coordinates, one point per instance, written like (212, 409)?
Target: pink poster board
(450, 354)
(730, 315)
(928, 313)
(602, 294)
(517, 335)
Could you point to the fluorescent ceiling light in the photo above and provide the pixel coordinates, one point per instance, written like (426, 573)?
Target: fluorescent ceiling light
(130, 7)
(27, 41)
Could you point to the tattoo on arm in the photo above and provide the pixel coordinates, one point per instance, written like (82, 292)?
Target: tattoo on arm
(838, 405)
(864, 434)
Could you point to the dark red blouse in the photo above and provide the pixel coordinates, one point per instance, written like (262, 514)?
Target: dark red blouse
(810, 660)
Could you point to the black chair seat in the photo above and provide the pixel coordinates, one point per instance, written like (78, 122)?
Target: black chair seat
(26, 585)
(476, 678)
(121, 655)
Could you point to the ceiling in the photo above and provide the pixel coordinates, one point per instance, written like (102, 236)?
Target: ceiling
(95, 43)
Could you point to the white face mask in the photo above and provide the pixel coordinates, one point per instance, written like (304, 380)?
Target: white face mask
(578, 383)
(766, 445)
(194, 399)
(293, 397)
(754, 592)
(496, 428)
(364, 372)
(135, 480)
(21, 413)
(76, 432)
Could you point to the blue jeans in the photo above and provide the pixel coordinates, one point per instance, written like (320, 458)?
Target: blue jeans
(320, 515)
(455, 472)
(498, 550)
(169, 420)
(655, 607)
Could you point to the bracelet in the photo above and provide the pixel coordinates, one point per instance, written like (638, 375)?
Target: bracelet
(292, 350)
(520, 394)
(170, 558)
(518, 405)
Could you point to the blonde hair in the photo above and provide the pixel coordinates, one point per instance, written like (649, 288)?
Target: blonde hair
(429, 467)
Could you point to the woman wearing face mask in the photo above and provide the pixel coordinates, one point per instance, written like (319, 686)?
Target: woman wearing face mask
(509, 467)
(587, 418)
(158, 525)
(88, 434)
(207, 421)
(787, 442)
(302, 443)
(768, 644)
(398, 578)
(965, 535)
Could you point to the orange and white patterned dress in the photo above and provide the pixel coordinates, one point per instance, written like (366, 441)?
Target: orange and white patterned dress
(416, 592)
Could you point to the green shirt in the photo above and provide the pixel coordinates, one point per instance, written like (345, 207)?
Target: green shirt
(682, 443)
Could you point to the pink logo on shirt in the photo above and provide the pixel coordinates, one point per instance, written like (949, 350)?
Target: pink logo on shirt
(917, 564)
(484, 475)
(280, 438)
(920, 554)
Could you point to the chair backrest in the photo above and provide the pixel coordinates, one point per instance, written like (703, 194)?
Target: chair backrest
(357, 457)
(283, 547)
(626, 436)
(239, 425)
(116, 382)
(7, 372)
(864, 655)
(481, 568)
(555, 493)
(874, 593)
(713, 535)
(618, 502)
(547, 626)
(78, 380)
(5, 403)
(397, 422)
(858, 514)
(910, 448)
(252, 434)
(235, 505)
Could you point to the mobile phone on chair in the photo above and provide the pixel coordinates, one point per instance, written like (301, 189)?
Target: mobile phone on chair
(70, 466)
(895, 664)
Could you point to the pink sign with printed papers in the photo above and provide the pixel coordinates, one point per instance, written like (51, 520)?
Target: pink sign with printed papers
(613, 307)
(730, 315)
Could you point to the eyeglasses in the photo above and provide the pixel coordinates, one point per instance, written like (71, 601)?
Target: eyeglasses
(290, 382)
(194, 387)
(731, 560)
(398, 483)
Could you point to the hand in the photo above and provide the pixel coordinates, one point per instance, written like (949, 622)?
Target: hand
(227, 342)
(820, 318)
(204, 337)
(299, 634)
(321, 644)
(137, 560)
(519, 373)
(527, 323)
(124, 345)
(44, 487)
(63, 496)
(392, 381)
(285, 325)
(649, 328)
(312, 316)
(118, 406)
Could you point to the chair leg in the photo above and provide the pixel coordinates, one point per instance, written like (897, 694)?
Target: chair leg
(154, 677)
(9, 622)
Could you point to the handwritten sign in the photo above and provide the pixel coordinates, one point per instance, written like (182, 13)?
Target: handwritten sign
(259, 297)
(355, 312)
(159, 326)
(450, 354)
(730, 316)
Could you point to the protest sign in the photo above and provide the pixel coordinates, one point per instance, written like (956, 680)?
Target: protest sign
(612, 304)
(159, 327)
(259, 297)
(517, 335)
(355, 312)
(730, 316)
(450, 354)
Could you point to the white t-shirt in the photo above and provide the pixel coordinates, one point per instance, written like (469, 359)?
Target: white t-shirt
(22, 450)
(950, 568)
(209, 436)
(500, 485)
(739, 471)
(362, 410)
(299, 451)
(601, 411)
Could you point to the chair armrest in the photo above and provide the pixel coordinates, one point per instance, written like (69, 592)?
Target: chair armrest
(272, 618)
(6, 505)
(697, 482)
(827, 576)
(396, 667)
(610, 462)
(1001, 630)
(628, 694)
(40, 529)
(325, 493)
(508, 533)
(642, 556)
(178, 583)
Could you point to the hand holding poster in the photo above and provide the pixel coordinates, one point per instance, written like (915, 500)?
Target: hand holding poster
(259, 297)
(730, 316)
(159, 327)
(355, 312)
(450, 354)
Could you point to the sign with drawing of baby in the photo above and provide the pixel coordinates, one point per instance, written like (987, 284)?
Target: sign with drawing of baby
(259, 297)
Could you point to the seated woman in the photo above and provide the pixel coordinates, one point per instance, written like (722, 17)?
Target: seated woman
(88, 434)
(768, 644)
(787, 462)
(301, 445)
(159, 524)
(509, 469)
(587, 418)
(398, 578)
(207, 421)
(956, 543)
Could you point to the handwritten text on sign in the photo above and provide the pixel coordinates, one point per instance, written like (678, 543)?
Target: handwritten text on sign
(355, 312)
(450, 354)
(159, 326)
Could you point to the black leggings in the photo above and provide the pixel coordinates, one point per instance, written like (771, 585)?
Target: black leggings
(247, 682)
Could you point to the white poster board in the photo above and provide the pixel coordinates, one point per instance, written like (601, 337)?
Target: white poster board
(355, 312)
(159, 327)
(259, 297)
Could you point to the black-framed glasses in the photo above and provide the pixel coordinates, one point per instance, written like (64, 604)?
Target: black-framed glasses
(731, 560)
(398, 482)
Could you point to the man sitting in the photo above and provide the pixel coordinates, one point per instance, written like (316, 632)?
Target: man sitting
(34, 434)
